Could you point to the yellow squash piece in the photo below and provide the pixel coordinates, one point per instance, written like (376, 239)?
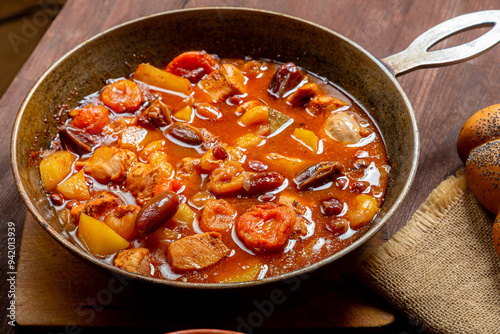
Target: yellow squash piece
(75, 187)
(54, 168)
(158, 78)
(306, 138)
(99, 238)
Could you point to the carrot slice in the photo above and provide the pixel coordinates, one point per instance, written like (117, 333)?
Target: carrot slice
(193, 65)
(90, 118)
(122, 95)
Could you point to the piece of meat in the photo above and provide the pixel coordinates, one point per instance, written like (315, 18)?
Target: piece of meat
(122, 220)
(218, 215)
(223, 82)
(136, 260)
(142, 181)
(97, 207)
(321, 103)
(110, 164)
(303, 94)
(299, 229)
(196, 252)
(342, 127)
(159, 113)
(187, 168)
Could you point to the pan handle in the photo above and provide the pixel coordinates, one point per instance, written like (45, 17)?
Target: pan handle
(417, 54)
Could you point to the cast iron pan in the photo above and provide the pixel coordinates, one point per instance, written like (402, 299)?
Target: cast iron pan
(237, 32)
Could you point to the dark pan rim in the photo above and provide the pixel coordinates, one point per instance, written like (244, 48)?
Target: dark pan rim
(193, 285)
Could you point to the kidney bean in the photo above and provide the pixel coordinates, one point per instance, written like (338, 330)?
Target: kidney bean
(56, 199)
(156, 212)
(359, 186)
(263, 182)
(341, 182)
(331, 207)
(338, 226)
(287, 77)
(234, 100)
(71, 204)
(220, 153)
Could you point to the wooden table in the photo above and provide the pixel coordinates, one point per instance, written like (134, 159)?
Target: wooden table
(443, 98)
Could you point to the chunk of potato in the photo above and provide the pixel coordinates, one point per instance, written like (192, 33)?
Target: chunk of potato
(99, 238)
(184, 215)
(132, 138)
(255, 115)
(75, 187)
(306, 138)
(158, 78)
(243, 273)
(54, 168)
(249, 140)
(184, 114)
(366, 208)
(288, 166)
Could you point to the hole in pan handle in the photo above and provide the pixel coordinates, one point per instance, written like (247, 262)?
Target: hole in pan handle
(417, 55)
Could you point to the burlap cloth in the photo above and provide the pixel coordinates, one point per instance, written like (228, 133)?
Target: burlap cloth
(442, 269)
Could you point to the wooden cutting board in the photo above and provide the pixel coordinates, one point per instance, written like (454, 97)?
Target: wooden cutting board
(56, 289)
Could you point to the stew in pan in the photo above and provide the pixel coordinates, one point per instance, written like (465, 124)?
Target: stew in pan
(216, 170)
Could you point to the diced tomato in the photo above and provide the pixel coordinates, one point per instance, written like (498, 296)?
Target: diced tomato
(90, 118)
(266, 227)
(172, 184)
(122, 95)
(193, 65)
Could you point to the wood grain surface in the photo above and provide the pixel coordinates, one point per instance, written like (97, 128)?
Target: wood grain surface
(443, 98)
